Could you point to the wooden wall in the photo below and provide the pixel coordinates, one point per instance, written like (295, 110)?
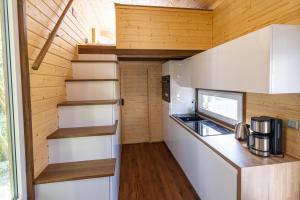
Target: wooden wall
(234, 18)
(141, 89)
(141, 27)
(47, 83)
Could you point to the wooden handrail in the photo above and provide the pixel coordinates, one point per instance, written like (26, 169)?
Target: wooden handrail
(52, 35)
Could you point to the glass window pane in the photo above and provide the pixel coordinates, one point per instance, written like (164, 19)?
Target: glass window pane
(7, 164)
(225, 106)
(4, 138)
(222, 106)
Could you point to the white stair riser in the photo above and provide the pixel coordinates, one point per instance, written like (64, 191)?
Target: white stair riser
(90, 90)
(97, 57)
(86, 115)
(86, 70)
(80, 149)
(91, 189)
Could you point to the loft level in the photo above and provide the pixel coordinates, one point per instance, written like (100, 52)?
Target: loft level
(138, 54)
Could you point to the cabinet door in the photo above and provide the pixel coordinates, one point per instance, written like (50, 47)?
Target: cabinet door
(202, 69)
(243, 64)
(211, 176)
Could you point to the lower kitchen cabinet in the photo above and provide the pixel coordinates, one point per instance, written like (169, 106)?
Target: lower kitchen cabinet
(220, 168)
(211, 176)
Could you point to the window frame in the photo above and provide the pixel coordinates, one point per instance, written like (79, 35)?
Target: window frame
(14, 93)
(222, 120)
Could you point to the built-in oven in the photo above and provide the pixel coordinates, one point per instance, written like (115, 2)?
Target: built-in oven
(166, 88)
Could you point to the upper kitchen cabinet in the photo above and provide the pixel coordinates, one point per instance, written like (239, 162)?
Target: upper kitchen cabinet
(264, 61)
(142, 27)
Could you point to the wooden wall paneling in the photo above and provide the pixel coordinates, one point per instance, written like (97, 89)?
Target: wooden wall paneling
(134, 91)
(142, 112)
(276, 182)
(47, 84)
(232, 19)
(155, 101)
(142, 27)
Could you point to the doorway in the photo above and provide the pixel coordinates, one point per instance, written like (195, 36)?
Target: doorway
(142, 104)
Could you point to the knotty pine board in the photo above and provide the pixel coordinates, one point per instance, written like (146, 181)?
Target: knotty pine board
(142, 111)
(48, 83)
(234, 18)
(141, 27)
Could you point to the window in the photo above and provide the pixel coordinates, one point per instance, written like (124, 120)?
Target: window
(224, 106)
(8, 156)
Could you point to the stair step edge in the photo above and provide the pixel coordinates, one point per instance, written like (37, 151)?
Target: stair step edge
(80, 170)
(89, 80)
(89, 102)
(92, 131)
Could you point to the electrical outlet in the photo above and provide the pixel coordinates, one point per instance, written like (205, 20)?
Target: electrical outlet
(292, 123)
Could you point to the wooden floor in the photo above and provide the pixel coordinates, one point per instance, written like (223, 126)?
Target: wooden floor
(150, 172)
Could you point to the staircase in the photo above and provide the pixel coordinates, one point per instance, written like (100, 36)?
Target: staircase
(84, 153)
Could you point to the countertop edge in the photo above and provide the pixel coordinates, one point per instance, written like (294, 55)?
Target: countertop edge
(232, 163)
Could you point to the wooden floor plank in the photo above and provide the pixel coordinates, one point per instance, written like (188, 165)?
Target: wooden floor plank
(150, 172)
(84, 131)
(88, 102)
(77, 171)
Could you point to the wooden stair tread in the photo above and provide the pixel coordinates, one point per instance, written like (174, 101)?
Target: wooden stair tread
(95, 61)
(76, 171)
(84, 131)
(88, 102)
(82, 80)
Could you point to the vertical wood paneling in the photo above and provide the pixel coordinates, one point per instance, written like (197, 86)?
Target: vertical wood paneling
(48, 83)
(140, 27)
(142, 112)
(134, 91)
(155, 101)
(234, 18)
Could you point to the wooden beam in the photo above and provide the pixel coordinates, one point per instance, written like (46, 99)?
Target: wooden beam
(26, 97)
(138, 54)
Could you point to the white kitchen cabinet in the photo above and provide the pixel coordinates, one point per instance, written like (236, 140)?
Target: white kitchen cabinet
(182, 97)
(211, 176)
(264, 61)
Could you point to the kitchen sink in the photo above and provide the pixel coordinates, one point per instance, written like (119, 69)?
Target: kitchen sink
(189, 118)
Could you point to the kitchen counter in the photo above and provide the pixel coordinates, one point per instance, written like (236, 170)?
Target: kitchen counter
(234, 151)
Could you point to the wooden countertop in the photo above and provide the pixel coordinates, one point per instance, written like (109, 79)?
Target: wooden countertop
(234, 151)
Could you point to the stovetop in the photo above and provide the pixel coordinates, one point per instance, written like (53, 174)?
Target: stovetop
(204, 127)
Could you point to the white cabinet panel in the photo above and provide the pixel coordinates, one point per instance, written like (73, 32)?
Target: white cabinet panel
(211, 176)
(91, 189)
(90, 90)
(80, 149)
(87, 115)
(85, 70)
(264, 61)
(286, 60)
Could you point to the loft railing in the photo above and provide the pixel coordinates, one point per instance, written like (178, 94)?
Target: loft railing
(52, 35)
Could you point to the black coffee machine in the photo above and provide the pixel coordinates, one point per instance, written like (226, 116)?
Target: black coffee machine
(266, 137)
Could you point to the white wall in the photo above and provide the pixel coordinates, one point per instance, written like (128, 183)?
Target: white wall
(182, 97)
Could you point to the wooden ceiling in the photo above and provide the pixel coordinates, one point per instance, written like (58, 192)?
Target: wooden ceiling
(202, 4)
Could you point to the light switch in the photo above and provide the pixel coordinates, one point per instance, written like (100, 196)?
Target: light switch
(292, 123)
